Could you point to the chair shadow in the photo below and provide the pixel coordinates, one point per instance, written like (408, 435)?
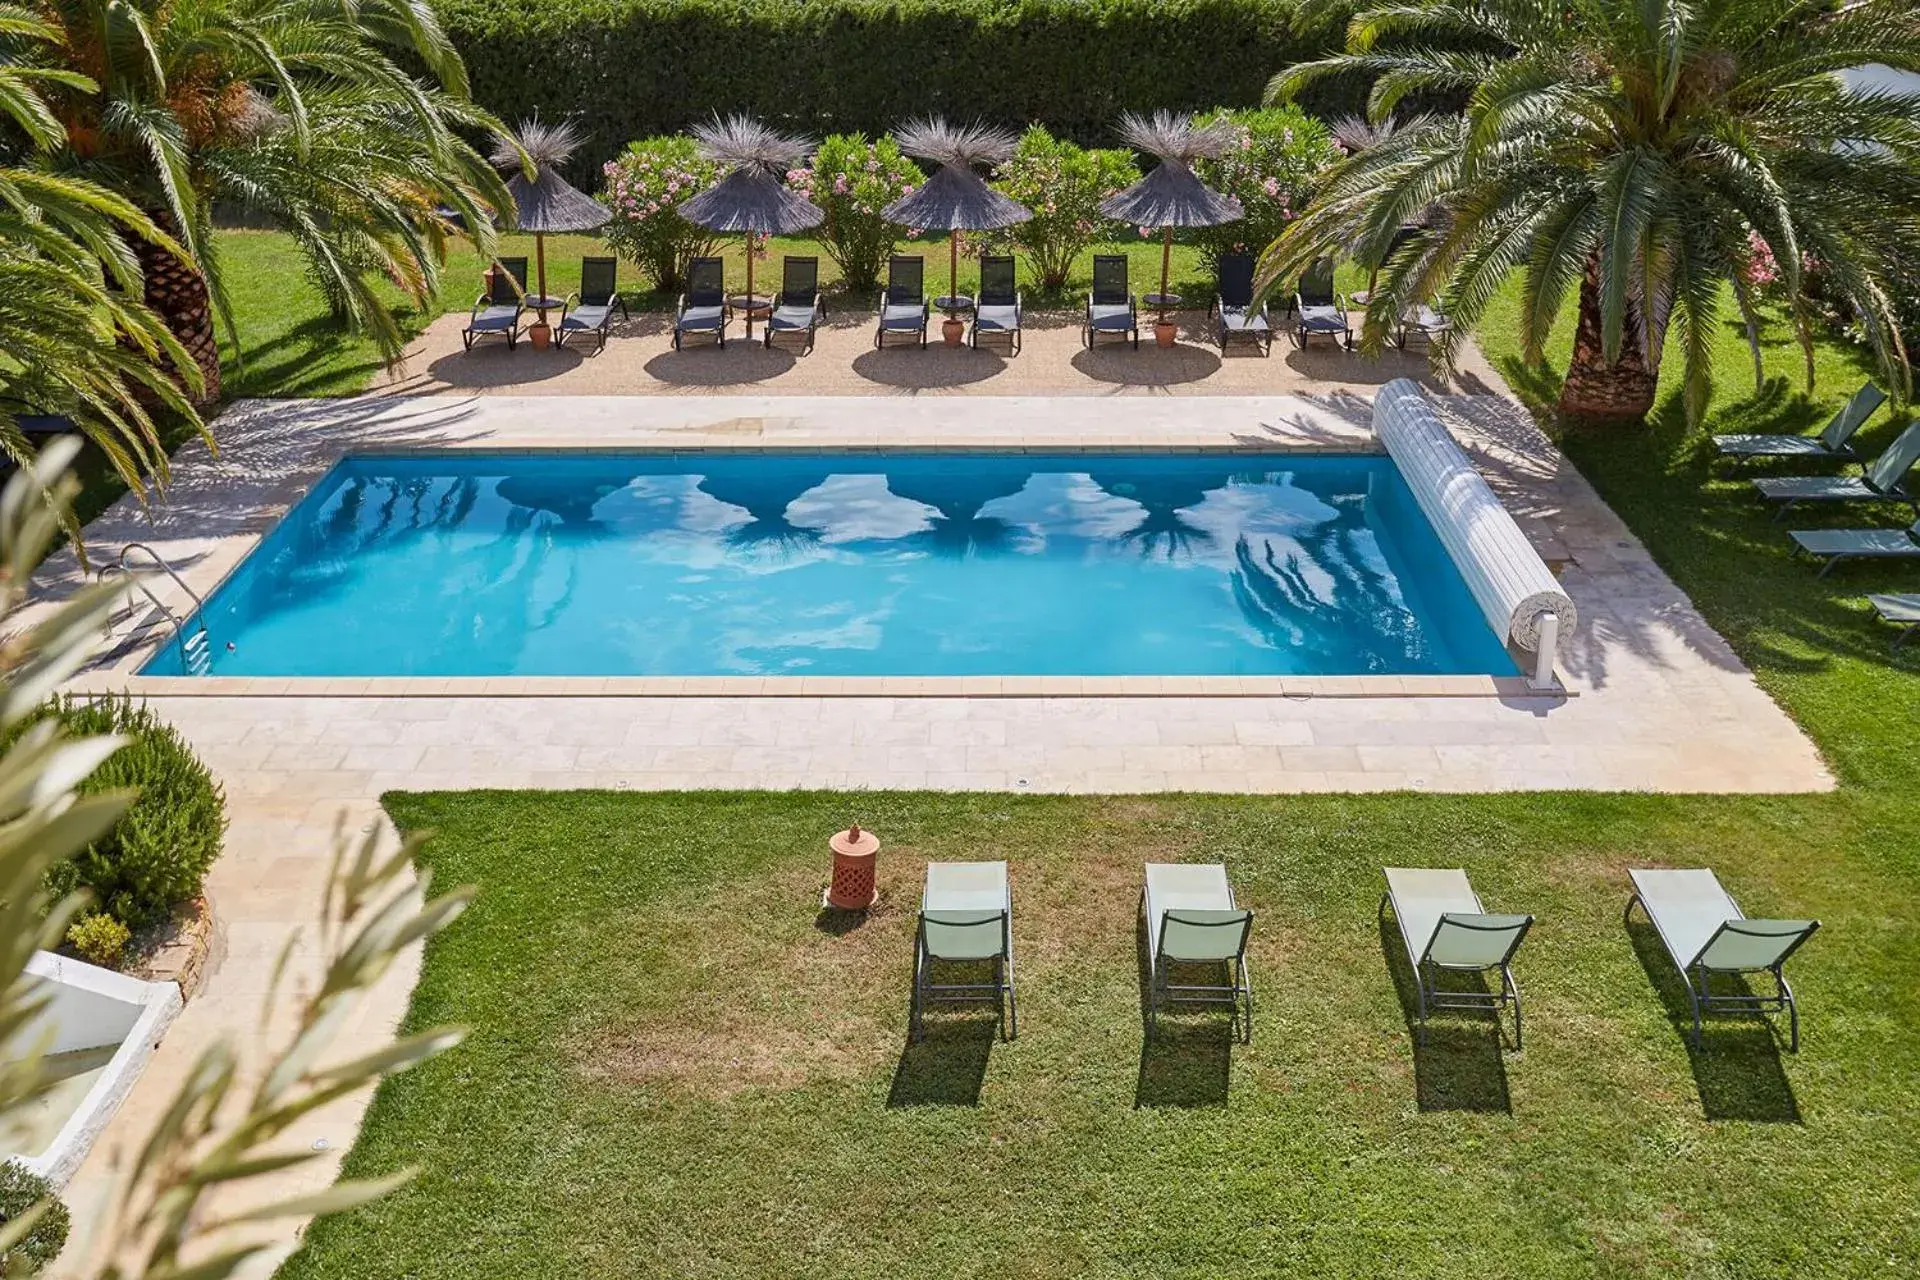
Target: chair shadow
(1116, 362)
(705, 363)
(1457, 1066)
(491, 364)
(1737, 1068)
(947, 1066)
(910, 368)
(1188, 1060)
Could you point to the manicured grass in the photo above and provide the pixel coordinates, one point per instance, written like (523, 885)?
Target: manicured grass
(676, 1070)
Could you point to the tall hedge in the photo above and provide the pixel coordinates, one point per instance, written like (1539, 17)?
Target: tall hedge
(633, 68)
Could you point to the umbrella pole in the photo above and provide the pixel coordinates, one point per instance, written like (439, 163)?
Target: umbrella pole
(749, 286)
(1166, 261)
(953, 271)
(540, 260)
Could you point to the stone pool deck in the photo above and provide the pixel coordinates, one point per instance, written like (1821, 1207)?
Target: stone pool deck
(1654, 699)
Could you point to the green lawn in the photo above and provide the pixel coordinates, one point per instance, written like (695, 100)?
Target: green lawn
(675, 1071)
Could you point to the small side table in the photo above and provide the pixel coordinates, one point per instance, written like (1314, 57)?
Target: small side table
(953, 302)
(1160, 301)
(854, 886)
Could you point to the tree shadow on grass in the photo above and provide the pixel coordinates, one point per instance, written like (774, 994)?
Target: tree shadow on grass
(948, 1064)
(302, 361)
(1459, 1064)
(1187, 1060)
(1738, 1069)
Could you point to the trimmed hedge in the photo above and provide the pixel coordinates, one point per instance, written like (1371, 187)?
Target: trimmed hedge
(634, 68)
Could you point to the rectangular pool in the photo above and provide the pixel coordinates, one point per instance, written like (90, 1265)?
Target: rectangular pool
(505, 564)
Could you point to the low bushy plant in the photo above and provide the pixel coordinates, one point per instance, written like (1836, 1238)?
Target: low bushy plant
(157, 855)
(20, 1190)
(1063, 185)
(853, 179)
(1271, 168)
(642, 187)
(99, 939)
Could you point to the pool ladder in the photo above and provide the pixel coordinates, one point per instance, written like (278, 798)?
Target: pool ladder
(196, 648)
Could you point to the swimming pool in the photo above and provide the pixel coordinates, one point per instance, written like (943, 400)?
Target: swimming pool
(835, 564)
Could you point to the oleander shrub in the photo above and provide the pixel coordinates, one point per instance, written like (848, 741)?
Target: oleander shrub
(20, 1190)
(99, 939)
(157, 855)
(635, 68)
(1063, 185)
(853, 178)
(642, 186)
(1271, 169)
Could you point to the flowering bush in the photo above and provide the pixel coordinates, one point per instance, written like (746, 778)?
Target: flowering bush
(853, 180)
(1271, 169)
(1063, 185)
(643, 186)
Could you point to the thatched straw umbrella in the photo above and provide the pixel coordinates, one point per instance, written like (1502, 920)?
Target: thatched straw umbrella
(1172, 195)
(545, 203)
(750, 198)
(956, 198)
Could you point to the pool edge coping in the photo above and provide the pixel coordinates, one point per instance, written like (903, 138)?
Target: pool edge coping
(97, 683)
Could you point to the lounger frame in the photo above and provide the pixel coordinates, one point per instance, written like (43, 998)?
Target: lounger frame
(1696, 976)
(1236, 993)
(1429, 998)
(594, 273)
(509, 290)
(999, 992)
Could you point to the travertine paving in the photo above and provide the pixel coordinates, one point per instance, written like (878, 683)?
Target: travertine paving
(1653, 697)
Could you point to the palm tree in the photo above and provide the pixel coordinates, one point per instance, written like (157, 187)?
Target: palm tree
(72, 340)
(1640, 153)
(297, 111)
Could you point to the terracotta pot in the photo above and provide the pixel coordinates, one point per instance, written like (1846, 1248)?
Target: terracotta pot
(854, 886)
(1164, 332)
(542, 335)
(952, 329)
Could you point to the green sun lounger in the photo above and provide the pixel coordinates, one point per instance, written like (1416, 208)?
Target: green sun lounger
(1832, 442)
(966, 917)
(1706, 935)
(1444, 927)
(1903, 611)
(1191, 920)
(1883, 480)
(1838, 545)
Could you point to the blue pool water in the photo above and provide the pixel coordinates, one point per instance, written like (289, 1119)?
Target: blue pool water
(850, 565)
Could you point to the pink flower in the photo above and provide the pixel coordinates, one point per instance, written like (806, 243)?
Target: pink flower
(1271, 186)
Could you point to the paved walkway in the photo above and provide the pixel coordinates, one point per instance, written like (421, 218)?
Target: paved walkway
(1659, 701)
(640, 360)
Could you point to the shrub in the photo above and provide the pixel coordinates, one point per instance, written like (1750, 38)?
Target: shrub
(1281, 153)
(642, 187)
(20, 1190)
(157, 855)
(633, 68)
(1063, 185)
(853, 179)
(99, 939)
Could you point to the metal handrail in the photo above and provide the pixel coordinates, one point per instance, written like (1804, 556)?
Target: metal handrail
(174, 619)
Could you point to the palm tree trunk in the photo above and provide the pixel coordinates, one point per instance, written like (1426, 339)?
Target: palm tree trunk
(1596, 392)
(177, 293)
